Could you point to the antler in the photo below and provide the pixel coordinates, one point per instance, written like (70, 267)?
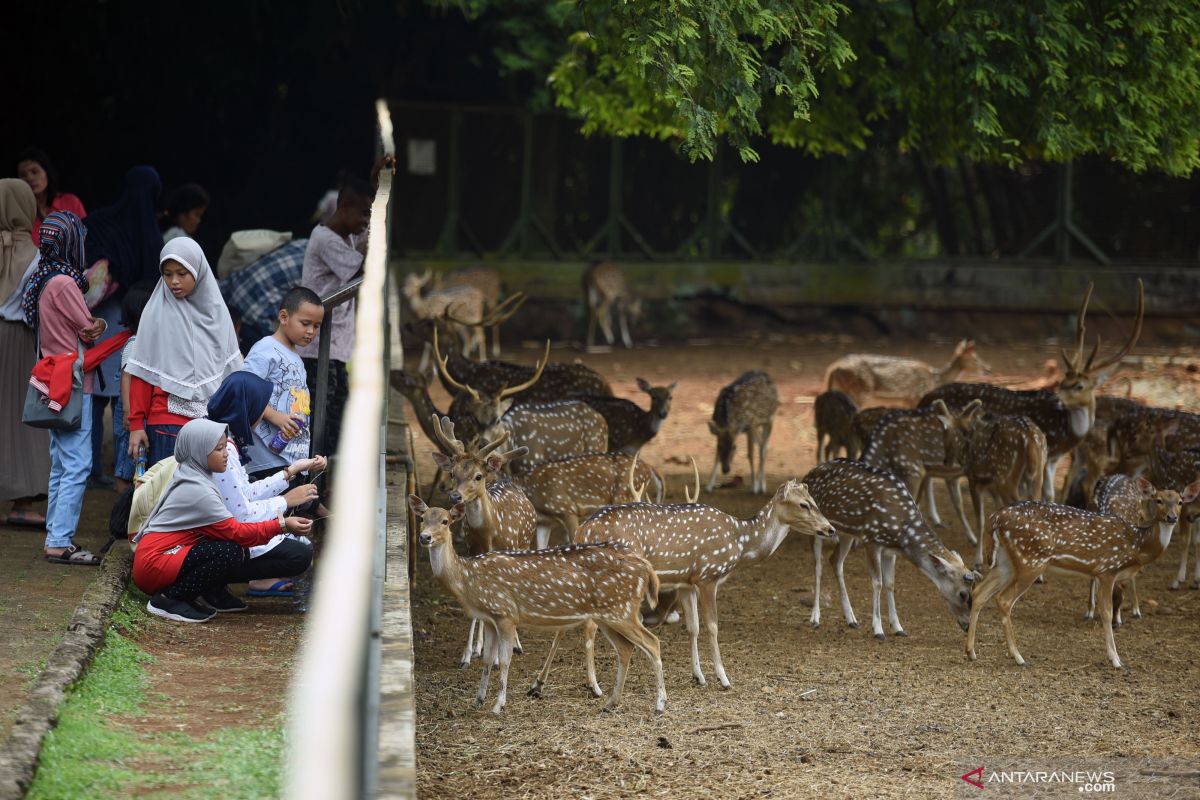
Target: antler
(444, 428)
(633, 490)
(440, 360)
(487, 448)
(691, 498)
(1137, 331)
(1080, 332)
(509, 391)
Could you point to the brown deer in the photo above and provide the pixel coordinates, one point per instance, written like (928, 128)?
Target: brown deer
(1118, 496)
(867, 420)
(833, 415)
(1003, 456)
(599, 584)
(1175, 470)
(868, 504)
(485, 406)
(566, 490)
(1031, 538)
(465, 303)
(499, 516)
(551, 431)
(903, 380)
(604, 289)
(745, 406)
(1132, 437)
(629, 427)
(1064, 415)
(693, 548)
(486, 281)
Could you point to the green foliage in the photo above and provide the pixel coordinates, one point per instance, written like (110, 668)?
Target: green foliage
(990, 80)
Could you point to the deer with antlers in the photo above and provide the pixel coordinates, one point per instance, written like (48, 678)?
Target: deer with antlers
(630, 427)
(466, 302)
(605, 289)
(486, 281)
(833, 417)
(902, 380)
(867, 504)
(693, 548)
(1031, 538)
(745, 406)
(600, 584)
(1003, 456)
(1066, 414)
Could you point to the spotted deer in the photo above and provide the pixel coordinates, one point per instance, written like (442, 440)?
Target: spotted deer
(745, 406)
(604, 289)
(630, 427)
(600, 584)
(867, 420)
(498, 515)
(1092, 458)
(1175, 470)
(1031, 538)
(566, 490)
(1003, 456)
(1118, 496)
(466, 303)
(487, 282)
(486, 407)
(694, 547)
(551, 431)
(904, 380)
(867, 504)
(1133, 436)
(1066, 414)
(833, 415)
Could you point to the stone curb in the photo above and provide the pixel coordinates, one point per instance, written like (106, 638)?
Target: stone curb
(85, 633)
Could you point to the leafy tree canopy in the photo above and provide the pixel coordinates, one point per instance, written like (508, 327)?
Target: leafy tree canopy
(993, 80)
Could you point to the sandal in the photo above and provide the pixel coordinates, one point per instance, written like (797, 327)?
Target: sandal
(25, 519)
(276, 589)
(75, 556)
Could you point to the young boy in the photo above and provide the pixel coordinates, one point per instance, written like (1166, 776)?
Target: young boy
(274, 359)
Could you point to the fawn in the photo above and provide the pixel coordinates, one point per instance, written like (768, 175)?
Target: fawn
(604, 288)
(629, 427)
(833, 414)
(600, 584)
(745, 406)
(1118, 496)
(1031, 538)
(904, 380)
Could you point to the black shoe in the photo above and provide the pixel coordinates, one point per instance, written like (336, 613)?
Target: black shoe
(178, 610)
(222, 600)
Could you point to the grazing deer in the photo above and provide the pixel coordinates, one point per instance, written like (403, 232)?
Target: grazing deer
(498, 514)
(905, 380)
(599, 584)
(694, 547)
(999, 455)
(874, 506)
(1175, 470)
(833, 414)
(604, 288)
(486, 281)
(566, 490)
(1031, 538)
(629, 427)
(745, 406)
(1064, 415)
(1118, 496)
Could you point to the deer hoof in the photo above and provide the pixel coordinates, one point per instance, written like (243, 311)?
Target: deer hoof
(1137, 614)
(814, 625)
(699, 680)
(881, 637)
(853, 625)
(478, 702)
(518, 651)
(464, 663)
(899, 633)
(1088, 616)
(1174, 587)
(971, 656)
(1194, 585)
(535, 690)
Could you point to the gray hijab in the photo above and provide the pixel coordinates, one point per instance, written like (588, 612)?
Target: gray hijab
(186, 347)
(191, 499)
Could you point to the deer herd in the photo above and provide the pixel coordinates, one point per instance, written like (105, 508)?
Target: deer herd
(564, 525)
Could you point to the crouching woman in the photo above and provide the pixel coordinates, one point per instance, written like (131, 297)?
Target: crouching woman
(191, 547)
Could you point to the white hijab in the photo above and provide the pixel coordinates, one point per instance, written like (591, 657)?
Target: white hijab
(186, 347)
(191, 499)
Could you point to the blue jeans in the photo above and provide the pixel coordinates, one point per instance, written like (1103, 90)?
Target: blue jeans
(162, 442)
(124, 464)
(70, 462)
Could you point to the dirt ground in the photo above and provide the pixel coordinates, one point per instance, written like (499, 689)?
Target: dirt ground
(829, 712)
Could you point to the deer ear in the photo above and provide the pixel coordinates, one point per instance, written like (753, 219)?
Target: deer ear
(641, 384)
(1190, 492)
(671, 388)
(1145, 487)
(418, 505)
(494, 463)
(503, 406)
(457, 512)
(441, 459)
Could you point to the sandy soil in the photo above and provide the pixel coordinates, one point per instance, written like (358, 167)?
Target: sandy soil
(829, 712)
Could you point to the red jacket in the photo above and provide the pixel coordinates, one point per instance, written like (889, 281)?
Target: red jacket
(159, 556)
(148, 406)
(52, 375)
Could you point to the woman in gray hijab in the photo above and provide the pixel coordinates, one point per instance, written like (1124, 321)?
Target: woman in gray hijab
(191, 546)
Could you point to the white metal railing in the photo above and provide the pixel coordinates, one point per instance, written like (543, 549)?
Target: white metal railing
(333, 704)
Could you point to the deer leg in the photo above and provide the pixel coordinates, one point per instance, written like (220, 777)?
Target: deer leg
(712, 477)
(1106, 618)
(750, 458)
(1008, 598)
(535, 689)
(1048, 482)
(991, 585)
(821, 457)
(765, 433)
(591, 334)
(1090, 614)
(708, 613)
(589, 652)
(814, 619)
(507, 635)
(954, 489)
(1118, 596)
(624, 323)
(605, 321)
(495, 341)
(489, 657)
(465, 660)
(1196, 557)
(889, 587)
(875, 568)
(925, 492)
(1136, 611)
(977, 502)
(844, 545)
(624, 649)
(1181, 577)
(542, 536)
(647, 642)
(691, 615)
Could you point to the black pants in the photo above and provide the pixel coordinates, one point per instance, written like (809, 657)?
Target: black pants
(213, 563)
(339, 390)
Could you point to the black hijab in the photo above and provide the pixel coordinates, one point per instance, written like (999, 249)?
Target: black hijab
(127, 234)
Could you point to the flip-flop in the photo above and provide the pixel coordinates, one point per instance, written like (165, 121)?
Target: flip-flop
(76, 557)
(25, 519)
(274, 590)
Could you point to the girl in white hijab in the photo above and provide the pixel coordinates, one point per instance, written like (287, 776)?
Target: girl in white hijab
(186, 347)
(190, 546)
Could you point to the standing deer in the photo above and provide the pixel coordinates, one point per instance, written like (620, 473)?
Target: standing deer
(833, 414)
(1175, 470)
(903, 380)
(486, 281)
(1064, 415)
(868, 419)
(551, 431)
(1118, 496)
(629, 427)
(745, 406)
(566, 490)
(694, 547)
(604, 288)
(999, 455)
(485, 406)
(598, 584)
(498, 514)
(1033, 537)
(465, 303)
(874, 506)
(1092, 458)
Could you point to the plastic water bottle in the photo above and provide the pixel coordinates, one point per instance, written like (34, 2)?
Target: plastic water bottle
(139, 468)
(280, 439)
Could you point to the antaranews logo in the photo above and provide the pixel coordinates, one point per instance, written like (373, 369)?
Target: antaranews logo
(1085, 781)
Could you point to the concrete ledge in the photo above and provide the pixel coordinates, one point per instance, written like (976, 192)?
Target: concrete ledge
(85, 632)
(397, 709)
